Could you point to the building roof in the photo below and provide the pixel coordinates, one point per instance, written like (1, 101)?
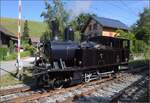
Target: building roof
(7, 32)
(35, 39)
(107, 22)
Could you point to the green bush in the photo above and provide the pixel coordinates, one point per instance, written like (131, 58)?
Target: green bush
(3, 53)
(25, 54)
(77, 36)
(30, 48)
(13, 56)
(24, 42)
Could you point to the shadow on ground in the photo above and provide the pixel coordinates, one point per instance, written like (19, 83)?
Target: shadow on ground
(11, 78)
(27, 78)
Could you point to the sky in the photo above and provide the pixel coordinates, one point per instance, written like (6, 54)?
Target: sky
(127, 11)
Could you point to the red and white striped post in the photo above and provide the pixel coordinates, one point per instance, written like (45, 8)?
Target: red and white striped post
(19, 38)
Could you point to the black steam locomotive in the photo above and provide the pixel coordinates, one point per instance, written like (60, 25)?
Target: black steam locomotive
(64, 63)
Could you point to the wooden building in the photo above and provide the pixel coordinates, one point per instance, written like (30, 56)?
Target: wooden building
(35, 40)
(6, 36)
(99, 26)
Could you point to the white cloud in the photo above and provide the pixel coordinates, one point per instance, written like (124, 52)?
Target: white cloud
(79, 7)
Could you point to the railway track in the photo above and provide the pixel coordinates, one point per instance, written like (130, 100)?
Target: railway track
(14, 90)
(134, 91)
(30, 95)
(108, 89)
(130, 93)
(69, 93)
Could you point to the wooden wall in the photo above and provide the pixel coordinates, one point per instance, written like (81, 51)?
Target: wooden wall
(95, 29)
(5, 39)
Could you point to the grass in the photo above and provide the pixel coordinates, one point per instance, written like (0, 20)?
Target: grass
(35, 28)
(13, 56)
(10, 79)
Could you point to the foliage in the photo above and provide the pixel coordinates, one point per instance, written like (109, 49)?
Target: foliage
(10, 79)
(142, 26)
(137, 62)
(36, 28)
(11, 46)
(77, 36)
(139, 35)
(46, 36)
(3, 53)
(24, 43)
(25, 53)
(82, 20)
(25, 35)
(30, 48)
(143, 48)
(13, 56)
(55, 11)
(78, 23)
(127, 35)
(142, 33)
(139, 46)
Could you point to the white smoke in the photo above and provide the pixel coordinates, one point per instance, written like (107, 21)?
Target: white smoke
(79, 7)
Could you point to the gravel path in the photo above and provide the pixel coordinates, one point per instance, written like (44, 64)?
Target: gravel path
(9, 66)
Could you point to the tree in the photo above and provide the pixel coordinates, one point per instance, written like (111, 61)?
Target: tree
(57, 12)
(142, 26)
(78, 23)
(25, 35)
(82, 20)
(141, 29)
(130, 36)
(46, 36)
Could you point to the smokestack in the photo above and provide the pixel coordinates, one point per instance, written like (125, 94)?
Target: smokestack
(68, 34)
(55, 29)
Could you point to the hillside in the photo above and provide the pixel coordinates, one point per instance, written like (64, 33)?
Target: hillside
(35, 28)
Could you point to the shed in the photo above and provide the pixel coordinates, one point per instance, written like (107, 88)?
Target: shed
(6, 36)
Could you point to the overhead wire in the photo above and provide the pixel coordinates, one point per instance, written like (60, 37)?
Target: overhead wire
(129, 8)
(109, 11)
(120, 7)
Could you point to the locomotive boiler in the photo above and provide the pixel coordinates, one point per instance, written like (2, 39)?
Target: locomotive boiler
(65, 63)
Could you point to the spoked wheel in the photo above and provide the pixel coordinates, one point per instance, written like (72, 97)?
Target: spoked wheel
(58, 84)
(67, 82)
(39, 82)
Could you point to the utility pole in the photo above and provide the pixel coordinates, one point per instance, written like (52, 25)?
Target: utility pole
(18, 63)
